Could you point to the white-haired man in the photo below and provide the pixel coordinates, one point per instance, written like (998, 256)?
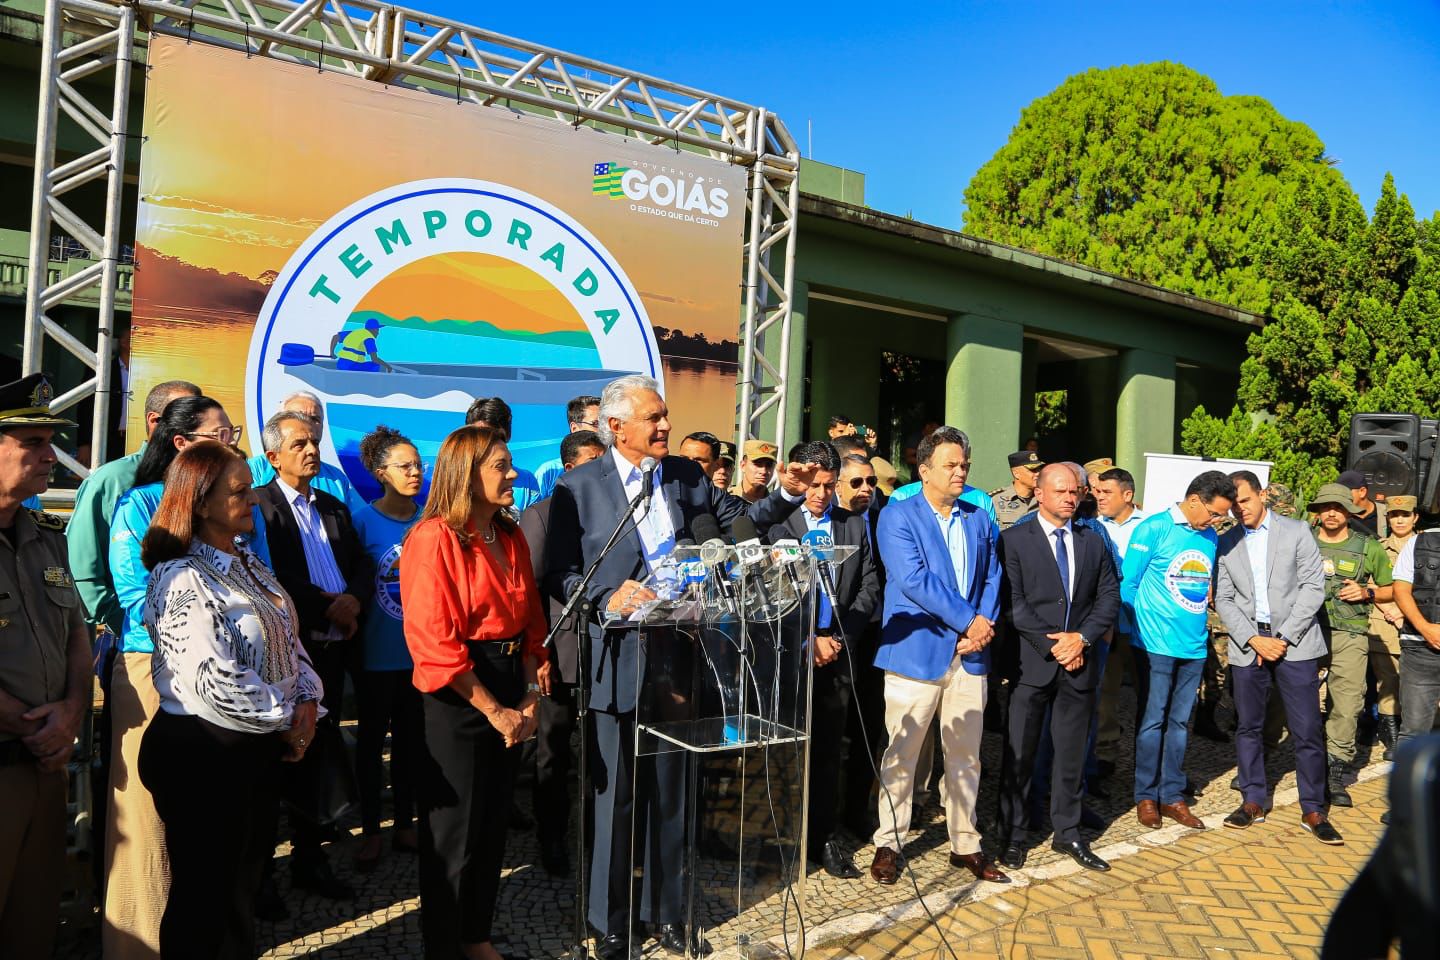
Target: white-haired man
(635, 425)
(331, 479)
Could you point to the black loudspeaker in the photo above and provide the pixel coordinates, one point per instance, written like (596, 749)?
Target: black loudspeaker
(1429, 485)
(1385, 447)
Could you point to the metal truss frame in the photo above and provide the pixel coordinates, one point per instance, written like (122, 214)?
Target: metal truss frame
(90, 39)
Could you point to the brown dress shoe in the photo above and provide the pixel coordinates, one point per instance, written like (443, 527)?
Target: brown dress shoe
(885, 868)
(1149, 813)
(980, 866)
(1181, 814)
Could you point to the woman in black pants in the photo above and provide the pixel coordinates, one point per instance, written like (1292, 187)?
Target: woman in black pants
(475, 629)
(237, 696)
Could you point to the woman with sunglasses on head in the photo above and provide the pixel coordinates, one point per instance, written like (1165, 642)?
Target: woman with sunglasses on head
(475, 628)
(237, 695)
(137, 872)
(387, 699)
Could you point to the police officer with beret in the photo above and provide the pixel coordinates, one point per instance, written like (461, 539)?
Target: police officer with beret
(44, 674)
(1015, 501)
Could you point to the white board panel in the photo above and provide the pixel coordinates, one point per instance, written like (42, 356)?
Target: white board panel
(1167, 475)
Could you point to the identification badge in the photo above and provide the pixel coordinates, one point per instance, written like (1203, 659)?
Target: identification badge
(1328, 565)
(57, 577)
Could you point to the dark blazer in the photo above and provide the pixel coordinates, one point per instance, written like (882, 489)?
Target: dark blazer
(1036, 598)
(587, 502)
(287, 554)
(857, 586)
(535, 524)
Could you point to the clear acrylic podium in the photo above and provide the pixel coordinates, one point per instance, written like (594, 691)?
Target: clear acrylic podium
(724, 684)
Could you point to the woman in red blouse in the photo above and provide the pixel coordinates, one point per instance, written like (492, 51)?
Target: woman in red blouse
(475, 629)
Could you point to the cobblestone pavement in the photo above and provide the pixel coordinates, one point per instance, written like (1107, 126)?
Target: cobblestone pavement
(535, 912)
(1258, 893)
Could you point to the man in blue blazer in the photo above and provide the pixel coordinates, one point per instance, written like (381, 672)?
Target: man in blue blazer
(588, 500)
(942, 597)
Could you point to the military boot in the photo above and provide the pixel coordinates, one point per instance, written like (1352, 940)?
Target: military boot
(1335, 784)
(1389, 733)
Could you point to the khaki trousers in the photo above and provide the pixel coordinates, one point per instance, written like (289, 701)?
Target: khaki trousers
(1385, 664)
(32, 859)
(959, 699)
(137, 867)
(1345, 691)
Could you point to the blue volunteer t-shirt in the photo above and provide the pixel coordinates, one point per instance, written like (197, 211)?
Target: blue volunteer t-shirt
(383, 636)
(1166, 586)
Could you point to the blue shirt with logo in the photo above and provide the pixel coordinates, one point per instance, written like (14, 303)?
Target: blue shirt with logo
(382, 637)
(1166, 586)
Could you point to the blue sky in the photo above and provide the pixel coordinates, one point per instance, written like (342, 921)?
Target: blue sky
(918, 96)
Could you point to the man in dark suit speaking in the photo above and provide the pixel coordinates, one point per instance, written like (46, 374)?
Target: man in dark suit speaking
(588, 501)
(1063, 594)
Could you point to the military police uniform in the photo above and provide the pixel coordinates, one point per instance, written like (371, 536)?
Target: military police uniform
(1009, 505)
(40, 615)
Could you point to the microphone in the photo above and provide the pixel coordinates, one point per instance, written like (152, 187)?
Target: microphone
(647, 479)
(753, 555)
(785, 553)
(823, 546)
(712, 554)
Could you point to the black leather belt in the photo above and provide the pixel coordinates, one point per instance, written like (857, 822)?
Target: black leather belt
(1263, 627)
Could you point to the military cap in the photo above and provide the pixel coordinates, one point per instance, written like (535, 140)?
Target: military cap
(1099, 465)
(1403, 504)
(1026, 458)
(1333, 493)
(760, 450)
(1281, 499)
(26, 403)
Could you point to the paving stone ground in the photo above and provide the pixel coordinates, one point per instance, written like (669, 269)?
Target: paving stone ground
(1152, 904)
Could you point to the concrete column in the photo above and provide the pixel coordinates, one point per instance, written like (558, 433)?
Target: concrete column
(983, 377)
(1145, 411)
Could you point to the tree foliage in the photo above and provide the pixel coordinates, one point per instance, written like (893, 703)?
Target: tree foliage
(1150, 172)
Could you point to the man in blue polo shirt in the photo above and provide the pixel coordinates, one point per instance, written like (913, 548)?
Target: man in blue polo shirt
(1166, 587)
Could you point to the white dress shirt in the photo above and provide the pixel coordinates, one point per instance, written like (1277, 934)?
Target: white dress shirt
(1069, 529)
(1257, 544)
(319, 556)
(652, 519)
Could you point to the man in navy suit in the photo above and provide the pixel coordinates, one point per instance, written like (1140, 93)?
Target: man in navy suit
(1063, 596)
(942, 597)
(588, 501)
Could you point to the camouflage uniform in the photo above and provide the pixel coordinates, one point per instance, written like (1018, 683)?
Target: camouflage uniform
(1010, 506)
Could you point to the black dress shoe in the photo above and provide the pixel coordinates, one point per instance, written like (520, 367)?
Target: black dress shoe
(317, 877)
(555, 856)
(269, 905)
(1013, 856)
(615, 946)
(672, 940)
(1079, 851)
(836, 862)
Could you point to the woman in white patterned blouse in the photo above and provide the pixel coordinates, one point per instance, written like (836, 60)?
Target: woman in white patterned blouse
(237, 696)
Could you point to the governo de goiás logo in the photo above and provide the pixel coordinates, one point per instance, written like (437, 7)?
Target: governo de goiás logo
(412, 302)
(1188, 580)
(662, 191)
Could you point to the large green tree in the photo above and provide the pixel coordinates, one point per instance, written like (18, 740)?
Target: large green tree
(1150, 172)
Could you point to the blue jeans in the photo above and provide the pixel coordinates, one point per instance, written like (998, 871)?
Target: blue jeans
(1166, 695)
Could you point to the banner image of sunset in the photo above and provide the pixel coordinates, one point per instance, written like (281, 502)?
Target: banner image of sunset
(223, 211)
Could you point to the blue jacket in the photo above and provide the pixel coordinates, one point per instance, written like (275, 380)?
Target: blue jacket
(924, 609)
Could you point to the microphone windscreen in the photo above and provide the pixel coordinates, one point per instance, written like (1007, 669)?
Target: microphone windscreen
(705, 527)
(684, 542)
(648, 464)
(743, 528)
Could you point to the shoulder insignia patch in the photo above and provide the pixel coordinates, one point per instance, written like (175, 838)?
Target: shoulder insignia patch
(49, 521)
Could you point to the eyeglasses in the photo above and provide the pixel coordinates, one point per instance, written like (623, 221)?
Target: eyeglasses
(229, 436)
(411, 466)
(855, 482)
(592, 424)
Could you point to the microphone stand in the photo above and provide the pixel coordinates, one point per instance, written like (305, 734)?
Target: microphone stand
(582, 608)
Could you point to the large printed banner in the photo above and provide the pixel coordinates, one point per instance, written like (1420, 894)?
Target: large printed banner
(401, 254)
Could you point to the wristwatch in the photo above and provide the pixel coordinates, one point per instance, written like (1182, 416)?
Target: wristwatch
(1085, 640)
(1370, 594)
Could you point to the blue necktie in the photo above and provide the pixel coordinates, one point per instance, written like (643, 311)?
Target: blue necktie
(1062, 559)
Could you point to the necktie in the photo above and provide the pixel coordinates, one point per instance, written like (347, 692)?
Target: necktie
(1062, 559)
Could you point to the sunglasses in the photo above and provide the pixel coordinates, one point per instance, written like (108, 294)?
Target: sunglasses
(855, 482)
(228, 436)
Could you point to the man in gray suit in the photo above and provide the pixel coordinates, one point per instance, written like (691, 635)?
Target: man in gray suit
(1270, 585)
